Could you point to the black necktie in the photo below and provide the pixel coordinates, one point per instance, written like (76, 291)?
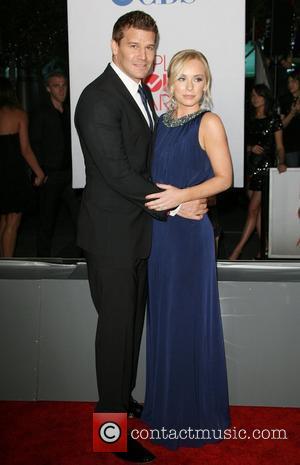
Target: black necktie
(145, 103)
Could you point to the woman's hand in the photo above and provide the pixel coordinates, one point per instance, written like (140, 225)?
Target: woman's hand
(257, 149)
(40, 179)
(295, 108)
(169, 198)
(281, 167)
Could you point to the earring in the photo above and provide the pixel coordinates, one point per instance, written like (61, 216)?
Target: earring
(203, 100)
(173, 103)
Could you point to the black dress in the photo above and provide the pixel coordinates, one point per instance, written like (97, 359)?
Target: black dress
(260, 131)
(15, 187)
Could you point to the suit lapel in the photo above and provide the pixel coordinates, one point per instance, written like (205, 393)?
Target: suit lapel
(118, 84)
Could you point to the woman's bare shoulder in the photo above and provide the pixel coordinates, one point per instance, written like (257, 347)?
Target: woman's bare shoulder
(211, 124)
(210, 118)
(21, 114)
(11, 119)
(13, 113)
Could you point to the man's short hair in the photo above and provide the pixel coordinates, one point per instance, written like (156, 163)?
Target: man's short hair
(137, 20)
(55, 68)
(59, 74)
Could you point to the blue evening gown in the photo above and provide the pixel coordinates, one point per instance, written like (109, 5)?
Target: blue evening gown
(186, 369)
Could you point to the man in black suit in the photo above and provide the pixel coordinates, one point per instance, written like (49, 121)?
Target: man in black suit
(114, 118)
(50, 135)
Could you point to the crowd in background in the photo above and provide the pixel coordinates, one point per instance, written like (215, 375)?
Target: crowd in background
(43, 147)
(36, 167)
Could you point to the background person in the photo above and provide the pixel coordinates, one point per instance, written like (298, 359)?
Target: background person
(16, 156)
(264, 149)
(290, 109)
(50, 135)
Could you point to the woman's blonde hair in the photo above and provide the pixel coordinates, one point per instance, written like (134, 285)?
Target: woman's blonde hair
(175, 68)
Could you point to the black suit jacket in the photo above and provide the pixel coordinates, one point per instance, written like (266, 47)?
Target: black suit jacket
(116, 143)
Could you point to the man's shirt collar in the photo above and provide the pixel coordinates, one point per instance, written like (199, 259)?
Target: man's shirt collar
(130, 84)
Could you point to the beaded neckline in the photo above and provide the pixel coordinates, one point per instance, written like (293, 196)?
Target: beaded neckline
(171, 122)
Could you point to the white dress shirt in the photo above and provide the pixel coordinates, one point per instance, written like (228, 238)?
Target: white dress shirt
(132, 87)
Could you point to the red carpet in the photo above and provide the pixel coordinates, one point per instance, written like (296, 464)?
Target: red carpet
(60, 433)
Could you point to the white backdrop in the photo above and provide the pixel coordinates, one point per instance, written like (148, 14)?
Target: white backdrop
(284, 214)
(214, 27)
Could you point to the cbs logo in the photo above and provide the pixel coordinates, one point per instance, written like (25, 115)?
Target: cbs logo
(152, 2)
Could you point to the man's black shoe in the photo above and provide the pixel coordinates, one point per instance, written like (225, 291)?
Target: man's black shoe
(135, 452)
(135, 409)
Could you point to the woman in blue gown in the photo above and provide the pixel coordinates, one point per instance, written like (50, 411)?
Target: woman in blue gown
(186, 372)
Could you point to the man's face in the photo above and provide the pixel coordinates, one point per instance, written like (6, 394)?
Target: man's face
(135, 53)
(57, 88)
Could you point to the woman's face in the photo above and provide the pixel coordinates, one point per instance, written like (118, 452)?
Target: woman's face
(257, 101)
(293, 85)
(189, 86)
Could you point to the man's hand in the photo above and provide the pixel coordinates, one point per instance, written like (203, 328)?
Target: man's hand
(194, 210)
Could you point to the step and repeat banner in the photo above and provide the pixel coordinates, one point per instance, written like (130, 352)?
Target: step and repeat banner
(215, 28)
